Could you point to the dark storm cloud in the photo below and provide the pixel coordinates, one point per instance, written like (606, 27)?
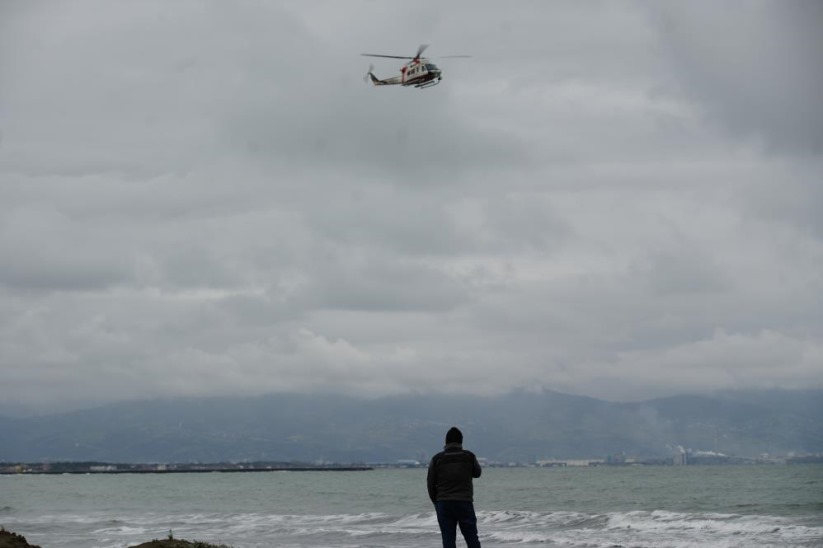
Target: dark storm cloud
(754, 66)
(797, 199)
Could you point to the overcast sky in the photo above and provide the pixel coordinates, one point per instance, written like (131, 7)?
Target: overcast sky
(616, 199)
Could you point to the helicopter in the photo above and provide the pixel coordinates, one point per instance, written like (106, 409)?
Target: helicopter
(418, 72)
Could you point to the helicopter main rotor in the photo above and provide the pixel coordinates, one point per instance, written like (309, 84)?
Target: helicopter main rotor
(417, 55)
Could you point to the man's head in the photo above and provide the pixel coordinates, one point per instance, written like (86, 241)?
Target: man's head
(454, 435)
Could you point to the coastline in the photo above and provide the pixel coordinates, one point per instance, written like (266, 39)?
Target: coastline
(85, 469)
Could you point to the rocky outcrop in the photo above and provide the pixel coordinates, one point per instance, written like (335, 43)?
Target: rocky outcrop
(13, 540)
(177, 543)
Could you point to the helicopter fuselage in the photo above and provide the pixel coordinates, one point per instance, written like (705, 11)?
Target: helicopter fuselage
(420, 73)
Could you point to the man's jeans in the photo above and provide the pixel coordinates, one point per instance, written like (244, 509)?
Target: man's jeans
(450, 514)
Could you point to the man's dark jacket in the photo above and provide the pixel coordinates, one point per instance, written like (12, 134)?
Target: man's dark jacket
(451, 472)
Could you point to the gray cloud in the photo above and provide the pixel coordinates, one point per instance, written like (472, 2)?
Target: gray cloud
(586, 204)
(753, 67)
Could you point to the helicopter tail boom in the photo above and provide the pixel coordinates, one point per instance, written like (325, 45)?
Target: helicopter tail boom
(377, 81)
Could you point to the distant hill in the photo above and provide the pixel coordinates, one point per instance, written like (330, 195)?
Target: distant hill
(516, 427)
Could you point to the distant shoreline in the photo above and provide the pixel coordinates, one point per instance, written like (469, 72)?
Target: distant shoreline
(192, 470)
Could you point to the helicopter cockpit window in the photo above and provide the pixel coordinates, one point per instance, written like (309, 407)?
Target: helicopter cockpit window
(431, 67)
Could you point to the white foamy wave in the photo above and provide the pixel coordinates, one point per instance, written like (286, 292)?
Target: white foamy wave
(497, 528)
(645, 530)
(721, 524)
(121, 530)
(425, 520)
(688, 530)
(542, 520)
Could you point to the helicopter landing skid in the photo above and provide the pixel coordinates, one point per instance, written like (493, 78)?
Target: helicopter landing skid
(428, 84)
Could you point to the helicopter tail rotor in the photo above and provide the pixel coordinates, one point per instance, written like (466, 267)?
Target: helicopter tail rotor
(374, 79)
(368, 74)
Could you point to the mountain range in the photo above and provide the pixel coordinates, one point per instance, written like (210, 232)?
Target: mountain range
(516, 427)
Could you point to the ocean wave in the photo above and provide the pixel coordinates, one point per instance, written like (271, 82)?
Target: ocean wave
(120, 530)
(694, 528)
(553, 520)
(717, 523)
(640, 529)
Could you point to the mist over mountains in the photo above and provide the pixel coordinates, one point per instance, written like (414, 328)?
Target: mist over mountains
(519, 427)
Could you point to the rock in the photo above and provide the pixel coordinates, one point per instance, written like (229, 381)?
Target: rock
(13, 540)
(176, 543)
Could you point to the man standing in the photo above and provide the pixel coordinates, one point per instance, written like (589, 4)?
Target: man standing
(450, 489)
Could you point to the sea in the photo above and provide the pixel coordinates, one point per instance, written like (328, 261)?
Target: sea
(627, 506)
